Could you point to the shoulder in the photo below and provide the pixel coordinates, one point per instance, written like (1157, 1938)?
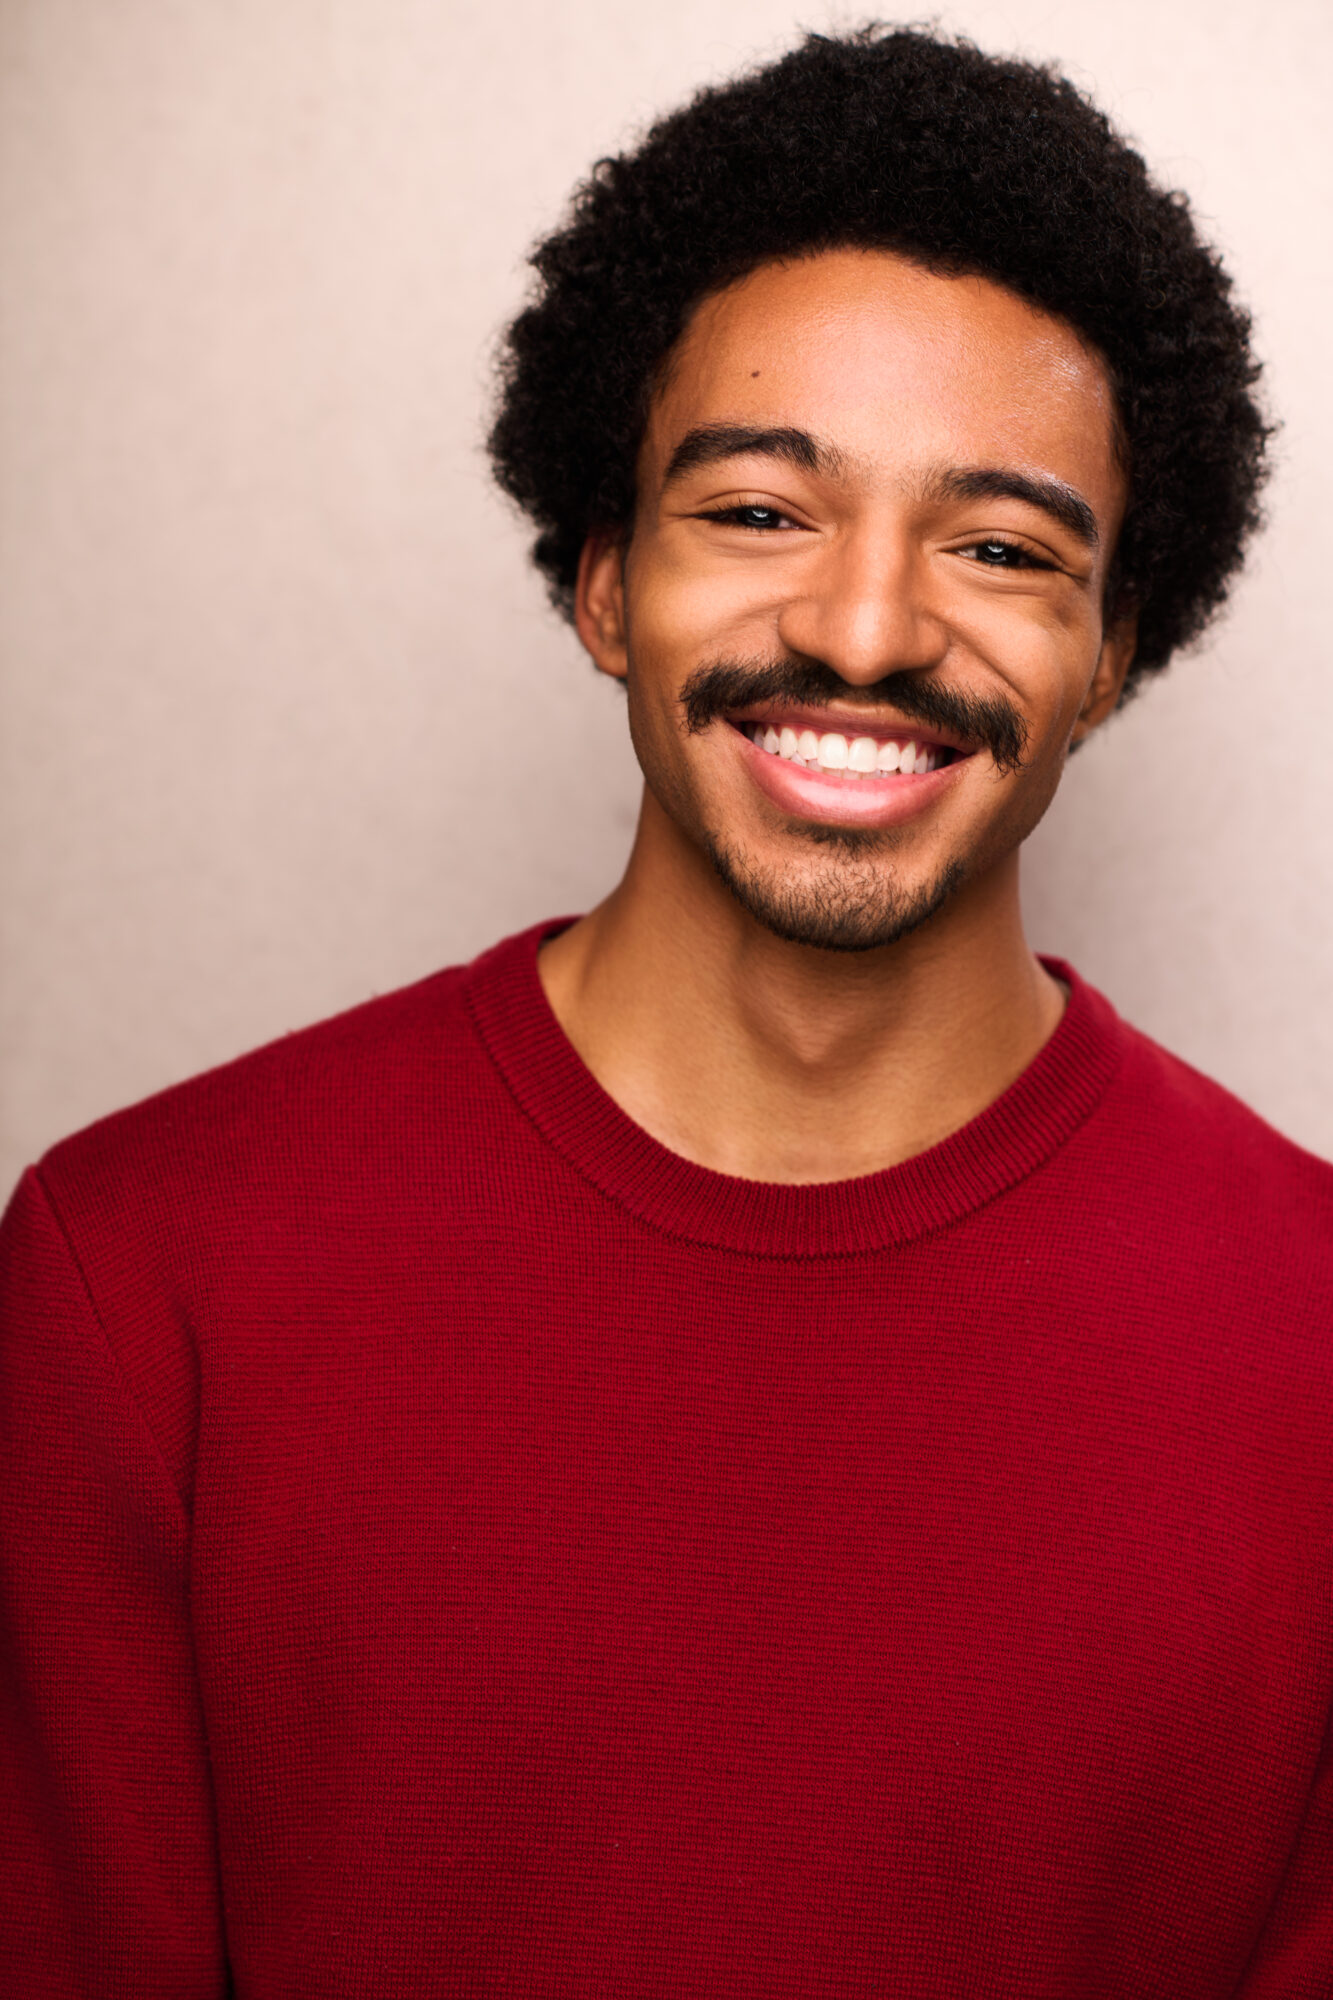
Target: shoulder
(1216, 1176)
(1187, 1109)
(310, 1090)
(244, 1194)
(386, 1105)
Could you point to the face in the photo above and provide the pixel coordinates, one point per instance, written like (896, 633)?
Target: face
(860, 612)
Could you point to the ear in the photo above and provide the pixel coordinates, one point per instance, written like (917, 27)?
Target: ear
(1108, 679)
(599, 603)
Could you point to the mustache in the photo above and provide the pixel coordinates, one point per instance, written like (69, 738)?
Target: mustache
(988, 721)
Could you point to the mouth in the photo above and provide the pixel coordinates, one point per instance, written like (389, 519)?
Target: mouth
(867, 773)
(853, 755)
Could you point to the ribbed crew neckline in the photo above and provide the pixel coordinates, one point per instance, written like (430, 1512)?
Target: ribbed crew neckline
(1006, 1142)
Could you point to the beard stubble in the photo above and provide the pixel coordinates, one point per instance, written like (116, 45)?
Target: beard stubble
(852, 903)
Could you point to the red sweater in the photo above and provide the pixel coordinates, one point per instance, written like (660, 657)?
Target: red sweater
(451, 1546)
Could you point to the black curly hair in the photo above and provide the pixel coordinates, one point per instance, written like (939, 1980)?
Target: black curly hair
(906, 140)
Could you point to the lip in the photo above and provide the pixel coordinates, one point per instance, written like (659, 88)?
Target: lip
(832, 800)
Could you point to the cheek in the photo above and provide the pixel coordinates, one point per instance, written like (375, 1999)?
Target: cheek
(1046, 652)
(688, 612)
(663, 647)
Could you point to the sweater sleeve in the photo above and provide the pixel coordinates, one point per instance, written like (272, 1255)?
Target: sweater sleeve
(108, 1871)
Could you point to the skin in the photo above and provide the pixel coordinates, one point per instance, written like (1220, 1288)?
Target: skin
(736, 1048)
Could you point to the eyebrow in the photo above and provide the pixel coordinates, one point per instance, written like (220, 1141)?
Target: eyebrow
(710, 444)
(1052, 496)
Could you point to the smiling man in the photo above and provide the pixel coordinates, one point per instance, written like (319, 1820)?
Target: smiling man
(861, 617)
(760, 1442)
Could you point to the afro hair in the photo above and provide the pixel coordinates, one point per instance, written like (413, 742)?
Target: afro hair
(910, 141)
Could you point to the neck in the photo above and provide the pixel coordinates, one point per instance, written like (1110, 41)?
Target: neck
(782, 1062)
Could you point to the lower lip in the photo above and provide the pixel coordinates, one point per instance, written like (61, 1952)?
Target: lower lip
(833, 800)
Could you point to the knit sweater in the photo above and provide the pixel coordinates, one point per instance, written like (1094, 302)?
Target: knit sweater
(451, 1546)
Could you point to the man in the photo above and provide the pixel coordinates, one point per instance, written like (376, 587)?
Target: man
(759, 1443)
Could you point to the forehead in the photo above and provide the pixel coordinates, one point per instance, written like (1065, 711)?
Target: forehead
(899, 367)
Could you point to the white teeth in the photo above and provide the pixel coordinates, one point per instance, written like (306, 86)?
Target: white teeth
(862, 756)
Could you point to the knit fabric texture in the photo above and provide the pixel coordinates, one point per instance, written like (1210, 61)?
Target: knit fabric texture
(451, 1547)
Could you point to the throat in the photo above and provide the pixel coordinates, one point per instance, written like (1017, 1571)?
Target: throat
(775, 1072)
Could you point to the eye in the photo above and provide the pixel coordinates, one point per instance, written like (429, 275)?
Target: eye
(994, 553)
(763, 518)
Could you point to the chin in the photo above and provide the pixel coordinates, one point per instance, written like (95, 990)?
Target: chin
(845, 907)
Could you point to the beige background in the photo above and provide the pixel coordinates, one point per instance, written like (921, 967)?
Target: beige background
(285, 719)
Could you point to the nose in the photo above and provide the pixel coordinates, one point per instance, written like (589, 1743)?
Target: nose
(865, 608)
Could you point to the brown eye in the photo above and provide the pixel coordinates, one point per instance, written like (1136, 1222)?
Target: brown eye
(747, 517)
(1006, 555)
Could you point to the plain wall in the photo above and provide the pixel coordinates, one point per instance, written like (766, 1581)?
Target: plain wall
(286, 720)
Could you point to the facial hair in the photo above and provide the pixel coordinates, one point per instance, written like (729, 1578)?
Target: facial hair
(985, 722)
(846, 907)
(853, 903)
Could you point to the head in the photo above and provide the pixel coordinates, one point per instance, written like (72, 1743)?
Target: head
(879, 397)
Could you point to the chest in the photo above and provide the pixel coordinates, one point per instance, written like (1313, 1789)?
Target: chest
(917, 1621)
